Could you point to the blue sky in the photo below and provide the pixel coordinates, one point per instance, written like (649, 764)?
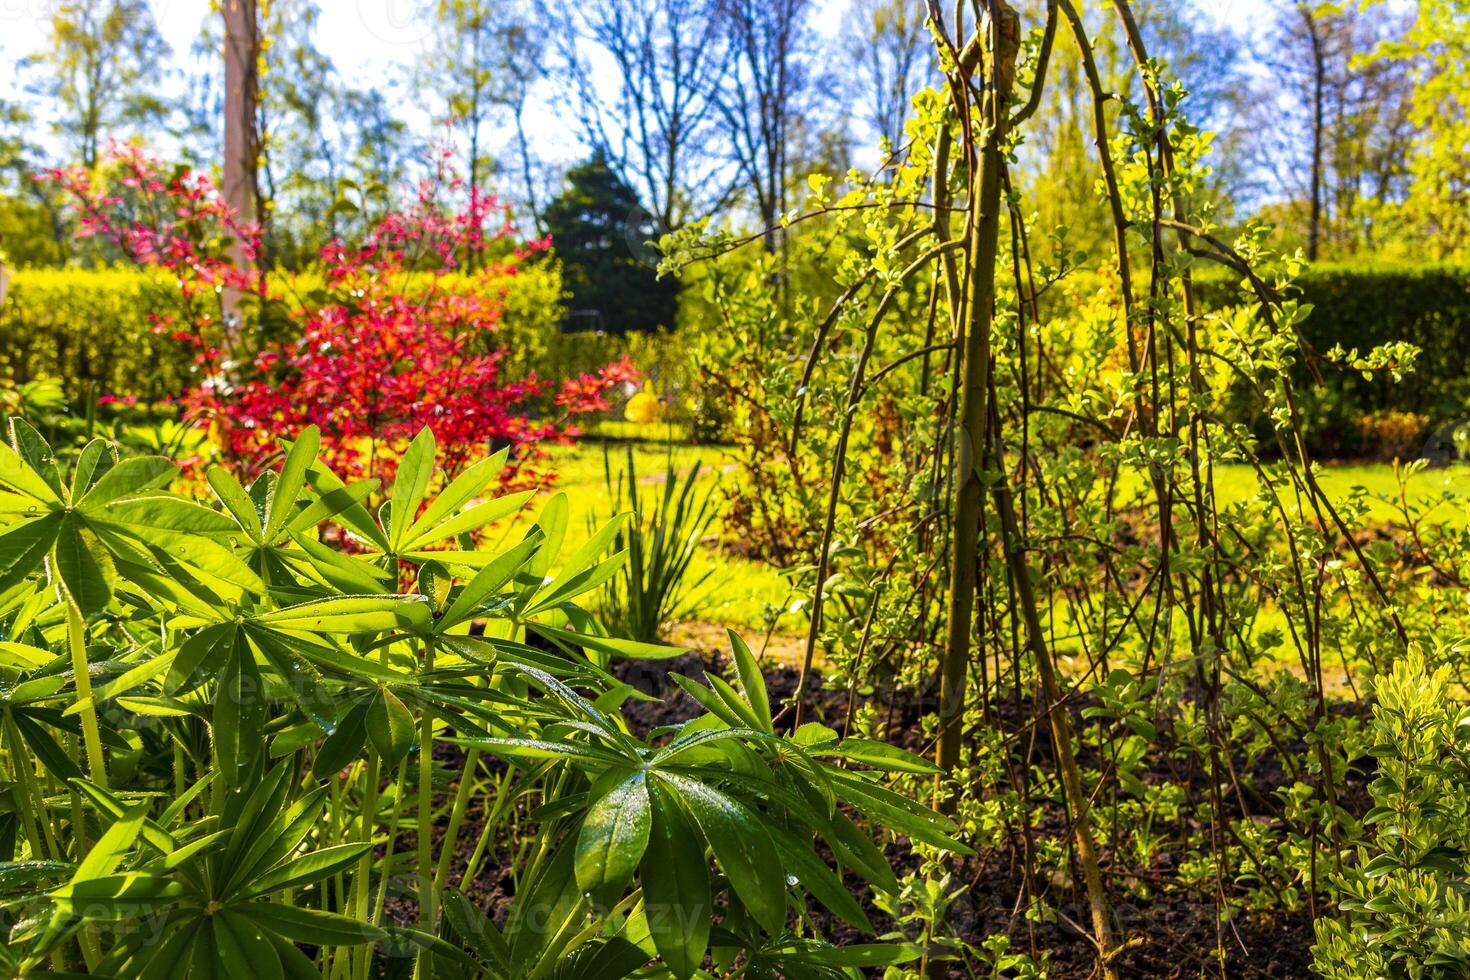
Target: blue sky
(374, 42)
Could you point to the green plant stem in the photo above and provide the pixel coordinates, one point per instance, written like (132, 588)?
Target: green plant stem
(28, 795)
(456, 818)
(380, 903)
(76, 638)
(428, 907)
(365, 865)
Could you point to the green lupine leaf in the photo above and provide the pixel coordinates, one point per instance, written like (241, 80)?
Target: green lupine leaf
(491, 577)
(343, 614)
(328, 505)
(17, 474)
(632, 649)
(165, 514)
(312, 926)
(93, 462)
(37, 454)
(129, 477)
(741, 846)
(46, 749)
(470, 483)
(112, 897)
(343, 745)
(676, 888)
(23, 656)
(613, 837)
(390, 726)
(798, 860)
(244, 951)
(752, 682)
(473, 519)
(85, 567)
(306, 869)
(879, 755)
(299, 458)
(236, 501)
(355, 518)
(415, 470)
(23, 549)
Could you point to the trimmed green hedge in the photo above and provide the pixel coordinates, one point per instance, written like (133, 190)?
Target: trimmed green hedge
(1363, 305)
(90, 329)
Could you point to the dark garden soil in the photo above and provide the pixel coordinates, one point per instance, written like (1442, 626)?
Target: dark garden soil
(1171, 931)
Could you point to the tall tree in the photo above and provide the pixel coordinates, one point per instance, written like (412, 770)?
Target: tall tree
(1061, 138)
(297, 117)
(33, 228)
(764, 99)
(240, 177)
(524, 66)
(657, 126)
(484, 61)
(103, 67)
(463, 67)
(888, 50)
(1436, 50)
(598, 236)
(1332, 126)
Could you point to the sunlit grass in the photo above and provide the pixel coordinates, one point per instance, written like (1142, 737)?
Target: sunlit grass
(740, 592)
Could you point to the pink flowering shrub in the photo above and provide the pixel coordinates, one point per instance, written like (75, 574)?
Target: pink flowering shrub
(396, 339)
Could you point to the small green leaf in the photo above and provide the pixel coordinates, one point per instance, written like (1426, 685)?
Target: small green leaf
(293, 476)
(389, 726)
(342, 614)
(752, 682)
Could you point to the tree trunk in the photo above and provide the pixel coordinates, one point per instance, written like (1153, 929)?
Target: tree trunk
(242, 140)
(1319, 71)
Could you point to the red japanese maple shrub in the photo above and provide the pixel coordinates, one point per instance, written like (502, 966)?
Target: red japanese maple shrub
(397, 338)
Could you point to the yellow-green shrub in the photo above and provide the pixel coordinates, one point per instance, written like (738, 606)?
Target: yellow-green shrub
(91, 328)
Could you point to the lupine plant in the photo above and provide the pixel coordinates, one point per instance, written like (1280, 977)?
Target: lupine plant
(232, 748)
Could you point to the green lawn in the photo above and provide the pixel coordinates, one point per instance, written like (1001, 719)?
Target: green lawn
(739, 592)
(1444, 491)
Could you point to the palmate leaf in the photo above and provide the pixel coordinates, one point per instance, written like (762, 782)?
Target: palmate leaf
(93, 462)
(18, 476)
(741, 846)
(348, 614)
(314, 654)
(488, 579)
(752, 682)
(128, 478)
(611, 645)
(461, 490)
(343, 743)
(23, 549)
(236, 501)
(288, 486)
(354, 517)
(390, 726)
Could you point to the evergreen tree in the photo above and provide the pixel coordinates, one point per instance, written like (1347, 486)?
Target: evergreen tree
(600, 231)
